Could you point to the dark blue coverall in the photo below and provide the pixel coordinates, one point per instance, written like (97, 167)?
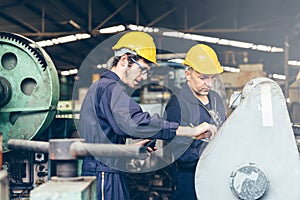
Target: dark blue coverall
(109, 115)
(185, 109)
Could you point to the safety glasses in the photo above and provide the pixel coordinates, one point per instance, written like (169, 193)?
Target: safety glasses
(144, 70)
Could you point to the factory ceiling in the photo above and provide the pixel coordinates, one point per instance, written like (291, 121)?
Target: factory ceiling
(268, 22)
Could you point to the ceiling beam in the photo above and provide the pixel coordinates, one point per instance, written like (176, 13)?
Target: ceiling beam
(94, 31)
(140, 12)
(46, 16)
(69, 12)
(137, 12)
(49, 34)
(203, 23)
(18, 21)
(161, 17)
(90, 15)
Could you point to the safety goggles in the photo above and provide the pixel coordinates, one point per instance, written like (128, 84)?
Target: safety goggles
(144, 70)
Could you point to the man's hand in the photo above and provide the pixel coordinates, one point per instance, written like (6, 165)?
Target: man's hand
(205, 131)
(202, 131)
(144, 143)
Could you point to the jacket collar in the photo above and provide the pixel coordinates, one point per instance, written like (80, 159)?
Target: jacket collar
(110, 75)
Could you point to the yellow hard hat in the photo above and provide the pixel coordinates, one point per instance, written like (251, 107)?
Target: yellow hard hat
(203, 59)
(139, 42)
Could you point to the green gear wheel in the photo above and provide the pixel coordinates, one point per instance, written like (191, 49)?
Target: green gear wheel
(30, 78)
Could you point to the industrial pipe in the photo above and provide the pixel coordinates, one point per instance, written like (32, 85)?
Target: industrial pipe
(66, 151)
(25, 145)
(81, 149)
(71, 149)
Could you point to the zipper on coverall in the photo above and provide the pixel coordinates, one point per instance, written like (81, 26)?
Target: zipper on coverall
(102, 185)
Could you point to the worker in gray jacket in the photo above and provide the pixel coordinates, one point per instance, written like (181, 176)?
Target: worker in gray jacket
(194, 104)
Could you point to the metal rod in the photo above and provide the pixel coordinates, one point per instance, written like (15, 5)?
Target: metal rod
(18, 20)
(286, 66)
(137, 12)
(80, 149)
(90, 15)
(185, 17)
(161, 17)
(43, 17)
(35, 146)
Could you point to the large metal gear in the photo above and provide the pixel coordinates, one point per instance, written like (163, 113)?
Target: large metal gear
(29, 88)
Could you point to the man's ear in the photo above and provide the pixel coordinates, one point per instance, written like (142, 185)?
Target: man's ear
(123, 60)
(187, 73)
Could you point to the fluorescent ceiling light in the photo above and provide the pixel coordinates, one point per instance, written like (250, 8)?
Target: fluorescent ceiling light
(176, 60)
(113, 29)
(73, 71)
(175, 34)
(99, 66)
(69, 72)
(277, 76)
(45, 43)
(224, 42)
(201, 38)
(81, 36)
(221, 41)
(231, 69)
(294, 63)
(276, 49)
(263, 47)
(68, 38)
(142, 28)
(65, 73)
(64, 39)
(245, 45)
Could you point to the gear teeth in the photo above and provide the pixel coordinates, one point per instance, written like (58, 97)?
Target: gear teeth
(35, 52)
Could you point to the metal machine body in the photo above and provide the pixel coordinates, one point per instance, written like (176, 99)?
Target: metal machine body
(62, 190)
(29, 88)
(4, 185)
(67, 184)
(254, 154)
(29, 93)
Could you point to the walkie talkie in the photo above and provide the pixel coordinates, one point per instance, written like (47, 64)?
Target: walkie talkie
(151, 144)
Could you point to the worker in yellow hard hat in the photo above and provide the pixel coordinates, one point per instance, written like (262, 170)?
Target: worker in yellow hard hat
(109, 115)
(194, 104)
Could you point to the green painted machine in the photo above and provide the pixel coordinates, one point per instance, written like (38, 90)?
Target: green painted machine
(29, 94)
(29, 88)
